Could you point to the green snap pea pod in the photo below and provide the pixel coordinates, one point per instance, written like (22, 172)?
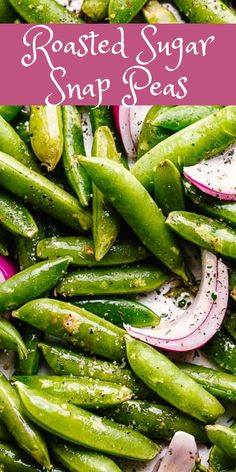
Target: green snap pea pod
(78, 327)
(120, 311)
(65, 362)
(130, 198)
(95, 10)
(26, 434)
(75, 458)
(12, 459)
(120, 11)
(206, 11)
(230, 324)
(102, 116)
(12, 144)
(201, 140)
(10, 338)
(106, 223)
(9, 112)
(151, 135)
(220, 384)
(222, 210)
(87, 393)
(204, 231)
(15, 217)
(219, 461)
(5, 435)
(179, 117)
(31, 283)
(73, 147)
(156, 421)
(168, 189)
(4, 248)
(7, 14)
(82, 253)
(26, 248)
(30, 365)
(44, 11)
(111, 281)
(42, 193)
(223, 437)
(222, 350)
(84, 428)
(154, 12)
(170, 383)
(46, 135)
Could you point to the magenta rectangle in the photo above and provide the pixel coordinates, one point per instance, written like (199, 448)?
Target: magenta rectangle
(118, 64)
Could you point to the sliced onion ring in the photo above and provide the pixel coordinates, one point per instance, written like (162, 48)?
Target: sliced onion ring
(122, 120)
(182, 454)
(137, 117)
(7, 268)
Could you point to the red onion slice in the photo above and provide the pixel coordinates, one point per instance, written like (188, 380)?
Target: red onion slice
(7, 269)
(215, 176)
(182, 454)
(122, 120)
(137, 117)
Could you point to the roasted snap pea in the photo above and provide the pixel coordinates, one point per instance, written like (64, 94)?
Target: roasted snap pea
(205, 232)
(219, 461)
(4, 248)
(46, 135)
(154, 12)
(151, 135)
(95, 10)
(206, 11)
(120, 312)
(222, 350)
(156, 421)
(42, 194)
(112, 281)
(130, 198)
(170, 383)
(26, 434)
(31, 283)
(75, 458)
(26, 248)
(201, 140)
(106, 223)
(8, 112)
(13, 459)
(82, 253)
(78, 327)
(179, 117)
(84, 428)
(65, 362)
(220, 384)
(223, 437)
(120, 11)
(168, 189)
(15, 217)
(44, 11)
(87, 393)
(10, 338)
(230, 324)
(29, 365)
(73, 147)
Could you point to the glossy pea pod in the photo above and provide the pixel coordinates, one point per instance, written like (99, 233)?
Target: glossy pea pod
(86, 393)
(42, 193)
(31, 283)
(29, 365)
(219, 460)
(15, 217)
(10, 338)
(206, 11)
(106, 223)
(9, 112)
(78, 327)
(84, 428)
(156, 421)
(201, 140)
(4, 247)
(46, 134)
(223, 437)
(26, 434)
(65, 362)
(120, 11)
(167, 380)
(222, 350)
(44, 11)
(82, 252)
(73, 147)
(151, 135)
(13, 459)
(112, 281)
(168, 189)
(204, 232)
(26, 248)
(94, 10)
(130, 199)
(155, 13)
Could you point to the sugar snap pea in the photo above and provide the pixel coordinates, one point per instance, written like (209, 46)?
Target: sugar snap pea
(4, 248)
(15, 217)
(179, 117)
(220, 384)
(13, 459)
(222, 350)
(44, 11)
(168, 190)
(206, 11)
(120, 11)
(204, 231)
(26, 434)
(81, 250)
(120, 311)
(112, 281)
(129, 197)
(95, 10)
(78, 327)
(46, 135)
(219, 461)
(65, 362)
(87, 393)
(223, 437)
(9, 112)
(30, 364)
(198, 141)
(84, 428)
(73, 147)
(154, 12)
(43, 194)
(151, 135)
(26, 248)
(174, 386)
(10, 338)
(31, 283)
